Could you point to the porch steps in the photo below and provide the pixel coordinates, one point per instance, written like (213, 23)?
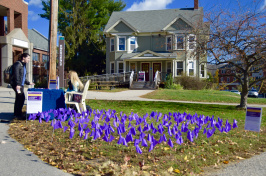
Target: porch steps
(142, 85)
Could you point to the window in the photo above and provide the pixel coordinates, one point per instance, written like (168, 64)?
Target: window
(133, 67)
(202, 71)
(112, 44)
(133, 43)
(168, 67)
(234, 79)
(121, 43)
(120, 67)
(35, 56)
(180, 42)
(191, 68)
(223, 71)
(191, 41)
(228, 79)
(179, 68)
(168, 43)
(112, 67)
(222, 79)
(45, 59)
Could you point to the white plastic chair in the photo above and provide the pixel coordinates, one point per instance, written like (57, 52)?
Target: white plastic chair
(79, 105)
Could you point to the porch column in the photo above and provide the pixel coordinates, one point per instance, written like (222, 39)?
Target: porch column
(7, 59)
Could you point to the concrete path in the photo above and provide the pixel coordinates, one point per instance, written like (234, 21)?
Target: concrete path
(15, 160)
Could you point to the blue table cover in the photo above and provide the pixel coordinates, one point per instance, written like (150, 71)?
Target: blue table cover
(52, 98)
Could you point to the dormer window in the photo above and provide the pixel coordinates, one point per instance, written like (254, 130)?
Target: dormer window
(121, 43)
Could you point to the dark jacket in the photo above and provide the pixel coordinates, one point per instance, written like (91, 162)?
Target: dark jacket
(17, 74)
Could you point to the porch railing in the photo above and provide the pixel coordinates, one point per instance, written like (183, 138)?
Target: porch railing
(121, 78)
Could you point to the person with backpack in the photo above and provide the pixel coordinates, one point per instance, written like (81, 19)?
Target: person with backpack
(18, 79)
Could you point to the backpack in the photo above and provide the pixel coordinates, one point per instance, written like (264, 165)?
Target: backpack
(8, 73)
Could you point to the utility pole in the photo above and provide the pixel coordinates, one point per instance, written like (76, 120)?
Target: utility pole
(52, 40)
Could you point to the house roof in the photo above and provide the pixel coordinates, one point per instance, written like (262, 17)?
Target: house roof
(38, 40)
(154, 20)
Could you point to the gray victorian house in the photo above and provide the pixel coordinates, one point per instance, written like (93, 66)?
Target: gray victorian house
(155, 40)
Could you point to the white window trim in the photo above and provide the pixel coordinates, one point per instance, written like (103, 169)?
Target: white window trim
(117, 70)
(129, 44)
(111, 44)
(176, 67)
(136, 69)
(193, 68)
(118, 43)
(184, 41)
(191, 42)
(111, 67)
(166, 41)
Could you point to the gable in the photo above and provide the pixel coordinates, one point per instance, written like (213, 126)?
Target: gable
(179, 24)
(121, 27)
(148, 53)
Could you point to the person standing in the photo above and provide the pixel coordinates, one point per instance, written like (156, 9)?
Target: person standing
(18, 80)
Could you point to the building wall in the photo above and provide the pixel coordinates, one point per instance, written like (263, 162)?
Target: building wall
(17, 14)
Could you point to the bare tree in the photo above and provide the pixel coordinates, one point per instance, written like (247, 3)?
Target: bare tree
(236, 38)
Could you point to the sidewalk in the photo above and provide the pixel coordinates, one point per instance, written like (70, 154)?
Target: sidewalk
(15, 160)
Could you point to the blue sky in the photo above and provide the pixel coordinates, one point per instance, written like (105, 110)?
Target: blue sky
(42, 25)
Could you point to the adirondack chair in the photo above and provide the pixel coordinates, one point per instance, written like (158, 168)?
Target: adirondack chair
(80, 101)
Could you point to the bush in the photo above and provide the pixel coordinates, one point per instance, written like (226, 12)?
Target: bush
(41, 84)
(176, 86)
(169, 81)
(191, 83)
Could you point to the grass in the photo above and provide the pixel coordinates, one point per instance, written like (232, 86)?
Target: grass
(88, 157)
(201, 96)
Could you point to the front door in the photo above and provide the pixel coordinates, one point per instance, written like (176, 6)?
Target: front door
(156, 67)
(145, 67)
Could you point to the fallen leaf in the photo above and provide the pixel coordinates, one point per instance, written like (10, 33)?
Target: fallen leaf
(53, 163)
(225, 162)
(177, 171)
(170, 169)
(166, 148)
(145, 167)
(238, 157)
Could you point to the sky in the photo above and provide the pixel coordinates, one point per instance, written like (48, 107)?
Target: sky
(42, 25)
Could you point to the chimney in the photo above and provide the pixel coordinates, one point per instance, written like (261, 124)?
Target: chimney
(196, 4)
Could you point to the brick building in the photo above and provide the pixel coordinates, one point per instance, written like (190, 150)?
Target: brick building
(15, 38)
(228, 82)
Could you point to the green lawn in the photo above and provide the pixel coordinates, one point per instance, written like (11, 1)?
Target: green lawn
(89, 157)
(201, 96)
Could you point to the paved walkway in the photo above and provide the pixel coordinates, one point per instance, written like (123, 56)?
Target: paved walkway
(15, 160)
